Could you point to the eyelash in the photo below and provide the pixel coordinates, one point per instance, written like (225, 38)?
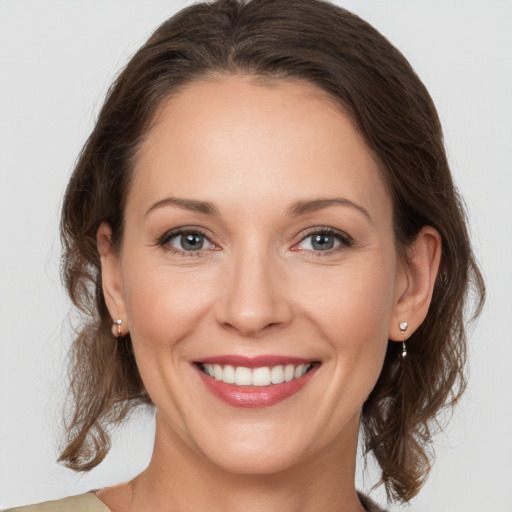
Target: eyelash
(345, 240)
(163, 241)
(342, 237)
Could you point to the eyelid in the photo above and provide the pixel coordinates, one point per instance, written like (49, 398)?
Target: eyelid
(344, 238)
(163, 240)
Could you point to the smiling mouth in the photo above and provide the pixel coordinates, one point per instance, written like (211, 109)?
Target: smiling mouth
(258, 377)
(255, 382)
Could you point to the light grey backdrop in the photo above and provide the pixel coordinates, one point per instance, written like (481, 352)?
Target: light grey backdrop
(56, 60)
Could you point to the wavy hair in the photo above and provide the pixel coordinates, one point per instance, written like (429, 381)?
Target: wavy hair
(315, 42)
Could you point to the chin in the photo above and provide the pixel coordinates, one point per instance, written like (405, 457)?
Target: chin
(254, 459)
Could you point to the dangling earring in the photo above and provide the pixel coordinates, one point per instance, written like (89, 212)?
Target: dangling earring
(116, 328)
(403, 327)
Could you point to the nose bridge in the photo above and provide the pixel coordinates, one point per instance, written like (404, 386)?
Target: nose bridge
(254, 295)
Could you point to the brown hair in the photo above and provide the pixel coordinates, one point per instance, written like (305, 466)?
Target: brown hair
(318, 43)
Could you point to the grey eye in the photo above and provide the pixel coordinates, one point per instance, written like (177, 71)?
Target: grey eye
(188, 241)
(320, 241)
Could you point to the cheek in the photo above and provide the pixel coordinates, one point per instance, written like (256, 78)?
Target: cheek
(163, 305)
(357, 298)
(352, 309)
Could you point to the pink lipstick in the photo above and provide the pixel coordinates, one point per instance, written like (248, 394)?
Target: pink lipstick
(255, 381)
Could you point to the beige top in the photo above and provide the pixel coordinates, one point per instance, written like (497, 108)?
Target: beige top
(88, 502)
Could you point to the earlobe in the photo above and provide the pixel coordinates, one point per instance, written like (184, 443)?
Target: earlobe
(110, 273)
(419, 272)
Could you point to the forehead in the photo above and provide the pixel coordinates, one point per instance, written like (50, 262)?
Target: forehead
(234, 138)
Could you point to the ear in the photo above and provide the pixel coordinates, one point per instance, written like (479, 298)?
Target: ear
(111, 279)
(415, 283)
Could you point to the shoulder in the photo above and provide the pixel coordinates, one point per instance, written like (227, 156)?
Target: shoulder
(87, 502)
(369, 504)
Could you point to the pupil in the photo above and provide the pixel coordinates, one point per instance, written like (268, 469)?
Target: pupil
(192, 242)
(323, 242)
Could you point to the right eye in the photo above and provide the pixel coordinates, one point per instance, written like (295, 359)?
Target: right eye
(188, 241)
(321, 241)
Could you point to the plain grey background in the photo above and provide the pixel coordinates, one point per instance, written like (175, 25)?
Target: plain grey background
(57, 58)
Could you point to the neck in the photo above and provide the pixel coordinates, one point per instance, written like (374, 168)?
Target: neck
(179, 478)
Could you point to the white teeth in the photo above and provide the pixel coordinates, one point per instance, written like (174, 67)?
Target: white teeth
(243, 376)
(300, 370)
(262, 376)
(289, 372)
(277, 375)
(208, 369)
(229, 374)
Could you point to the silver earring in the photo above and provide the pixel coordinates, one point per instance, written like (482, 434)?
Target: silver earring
(116, 328)
(403, 327)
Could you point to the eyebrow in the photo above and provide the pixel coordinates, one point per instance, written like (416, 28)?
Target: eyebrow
(186, 204)
(302, 207)
(298, 208)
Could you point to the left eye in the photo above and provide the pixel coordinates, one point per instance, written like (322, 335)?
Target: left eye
(189, 241)
(320, 241)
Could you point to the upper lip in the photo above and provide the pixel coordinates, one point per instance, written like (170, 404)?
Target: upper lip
(254, 361)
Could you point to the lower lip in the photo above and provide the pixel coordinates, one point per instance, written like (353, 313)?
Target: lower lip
(255, 396)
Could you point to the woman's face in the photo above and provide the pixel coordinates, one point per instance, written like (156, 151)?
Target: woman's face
(258, 245)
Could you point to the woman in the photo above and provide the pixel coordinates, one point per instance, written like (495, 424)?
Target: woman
(263, 228)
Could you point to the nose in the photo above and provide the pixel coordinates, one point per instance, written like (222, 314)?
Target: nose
(254, 295)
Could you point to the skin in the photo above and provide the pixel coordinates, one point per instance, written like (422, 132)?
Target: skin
(257, 286)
